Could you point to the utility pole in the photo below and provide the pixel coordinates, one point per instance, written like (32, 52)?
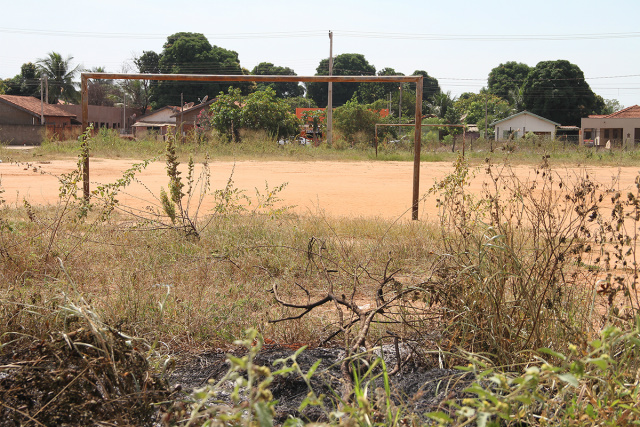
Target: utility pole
(330, 101)
(46, 85)
(486, 118)
(41, 104)
(400, 105)
(124, 113)
(181, 116)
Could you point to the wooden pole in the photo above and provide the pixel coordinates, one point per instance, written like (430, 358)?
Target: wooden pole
(330, 94)
(417, 147)
(84, 91)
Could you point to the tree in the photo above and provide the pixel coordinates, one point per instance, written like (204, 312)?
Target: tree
(260, 110)
(430, 86)
(607, 106)
(506, 77)
(282, 89)
(191, 53)
(103, 92)
(472, 107)
(346, 64)
(60, 75)
(140, 92)
(440, 103)
(371, 92)
(353, 118)
(226, 114)
(558, 91)
(27, 83)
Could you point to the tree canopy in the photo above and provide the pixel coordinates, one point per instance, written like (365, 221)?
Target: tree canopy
(371, 92)
(27, 83)
(430, 86)
(191, 53)
(472, 107)
(558, 91)
(282, 89)
(60, 74)
(103, 92)
(346, 64)
(260, 110)
(353, 118)
(507, 77)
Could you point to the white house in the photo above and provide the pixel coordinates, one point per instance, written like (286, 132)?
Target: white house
(622, 128)
(518, 125)
(160, 122)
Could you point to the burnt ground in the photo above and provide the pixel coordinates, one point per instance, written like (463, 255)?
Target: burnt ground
(419, 389)
(78, 379)
(84, 379)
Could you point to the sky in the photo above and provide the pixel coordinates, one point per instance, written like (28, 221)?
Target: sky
(456, 42)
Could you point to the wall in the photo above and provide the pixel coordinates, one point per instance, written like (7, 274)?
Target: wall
(628, 126)
(110, 117)
(525, 124)
(12, 115)
(21, 134)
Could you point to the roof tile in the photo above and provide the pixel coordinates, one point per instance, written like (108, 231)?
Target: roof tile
(34, 106)
(632, 112)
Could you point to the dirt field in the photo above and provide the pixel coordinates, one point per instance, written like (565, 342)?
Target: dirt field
(370, 189)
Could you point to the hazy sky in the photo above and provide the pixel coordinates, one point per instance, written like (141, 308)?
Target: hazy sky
(457, 42)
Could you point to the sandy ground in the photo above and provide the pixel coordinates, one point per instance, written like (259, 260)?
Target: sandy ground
(369, 189)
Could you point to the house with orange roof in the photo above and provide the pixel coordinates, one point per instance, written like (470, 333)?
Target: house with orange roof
(23, 119)
(621, 128)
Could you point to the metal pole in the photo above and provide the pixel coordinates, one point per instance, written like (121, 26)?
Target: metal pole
(417, 141)
(330, 95)
(84, 91)
(41, 104)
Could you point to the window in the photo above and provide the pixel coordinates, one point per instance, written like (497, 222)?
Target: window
(606, 133)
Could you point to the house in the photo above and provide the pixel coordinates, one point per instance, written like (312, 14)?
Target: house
(159, 122)
(104, 117)
(25, 119)
(518, 125)
(622, 128)
(188, 117)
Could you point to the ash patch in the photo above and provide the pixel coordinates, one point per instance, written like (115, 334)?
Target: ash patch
(77, 380)
(417, 388)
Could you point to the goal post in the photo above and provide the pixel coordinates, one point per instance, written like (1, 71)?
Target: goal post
(418, 80)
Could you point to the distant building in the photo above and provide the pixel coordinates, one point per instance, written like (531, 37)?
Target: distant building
(104, 117)
(159, 123)
(189, 116)
(27, 120)
(518, 125)
(622, 128)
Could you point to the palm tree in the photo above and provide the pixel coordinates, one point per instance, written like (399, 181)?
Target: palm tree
(440, 103)
(60, 76)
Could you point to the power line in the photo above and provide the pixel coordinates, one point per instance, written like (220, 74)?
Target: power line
(354, 34)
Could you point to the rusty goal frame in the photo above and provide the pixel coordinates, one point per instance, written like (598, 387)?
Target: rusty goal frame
(418, 80)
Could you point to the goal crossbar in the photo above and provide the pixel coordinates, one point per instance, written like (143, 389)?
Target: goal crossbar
(418, 80)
